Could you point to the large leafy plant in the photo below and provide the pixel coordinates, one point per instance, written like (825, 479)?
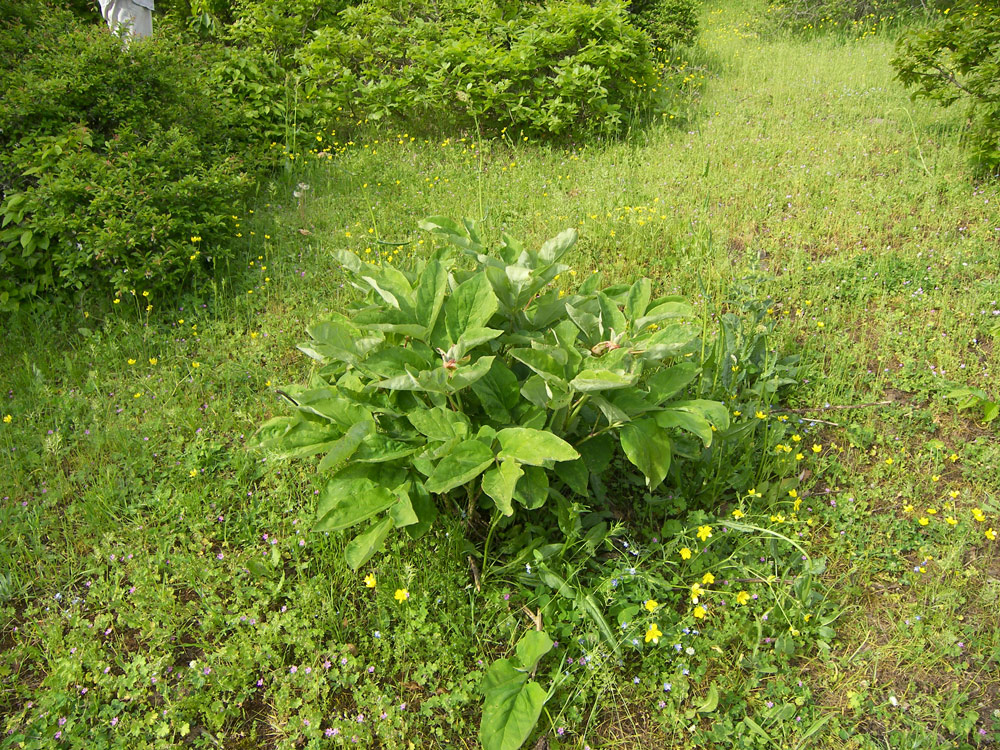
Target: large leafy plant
(486, 386)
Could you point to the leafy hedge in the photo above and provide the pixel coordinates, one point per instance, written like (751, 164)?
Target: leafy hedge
(958, 59)
(111, 160)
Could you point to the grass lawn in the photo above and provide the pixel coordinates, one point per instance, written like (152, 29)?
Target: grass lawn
(159, 582)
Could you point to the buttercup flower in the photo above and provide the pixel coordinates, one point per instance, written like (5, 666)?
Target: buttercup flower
(401, 595)
(742, 598)
(704, 532)
(684, 551)
(370, 580)
(651, 605)
(653, 634)
(699, 612)
(708, 578)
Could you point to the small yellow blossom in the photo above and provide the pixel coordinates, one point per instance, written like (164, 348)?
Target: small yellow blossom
(797, 438)
(742, 598)
(817, 447)
(908, 508)
(953, 457)
(370, 580)
(935, 477)
(793, 494)
(653, 634)
(951, 521)
(760, 415)
(131, 361)
(196, 364)
(953, 494)
(685, 553)
(704, 532)
(738, 514)
(799, 456)
(401, 595)
(651, 605)
(779, 518)
(7, 418)
(153, 360)
(991, 534)
(797, 504)
(931, 511)
(888, 461)
(696, 592)
(193, 473)
(923, 521)
(978, 514)
(708, 579)
(753, 492)
(699, 612)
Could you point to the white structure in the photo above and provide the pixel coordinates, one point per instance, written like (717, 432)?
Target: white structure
(136, 16)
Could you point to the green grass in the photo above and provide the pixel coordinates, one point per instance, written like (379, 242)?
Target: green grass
(134, 519)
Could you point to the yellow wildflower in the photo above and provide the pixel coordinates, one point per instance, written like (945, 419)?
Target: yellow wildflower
(742, 598)
(370, 580)
(653, 634)
(704, 532)
(696, 591)
(991, 534)
(685, 553)
(738, 514)
(651, 605)
(401, 595)
(708, 579)
(924, 521)
(978, 514)
(699, 612)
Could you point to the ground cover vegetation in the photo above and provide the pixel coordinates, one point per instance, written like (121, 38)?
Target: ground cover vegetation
(792, 542)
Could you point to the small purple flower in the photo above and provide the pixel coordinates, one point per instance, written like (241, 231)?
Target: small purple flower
(293, 669)
(206, 671)
(331, 732)
(114, 721)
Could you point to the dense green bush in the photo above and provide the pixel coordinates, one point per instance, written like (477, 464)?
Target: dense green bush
(111, 159)
(565, 66)
(958, 59)
(668, 22)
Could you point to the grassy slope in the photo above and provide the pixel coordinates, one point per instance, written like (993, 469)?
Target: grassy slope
(133, 520)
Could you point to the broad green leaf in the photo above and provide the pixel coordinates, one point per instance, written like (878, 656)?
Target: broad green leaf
(473, 337)
(392, 361)
(648, 447)
(425, 508)
(534, 447)
(533, 646)
(575, 475)
(499, 484)
(591, 284)
(450, 230)
(379, 448)
(465, 375)
(597, 452)
(431, 289)
(601, 380)
(638, 299)
(532, 489)
(686, 420)
(303, 438)
(344, 448)
(343, 504)
(403, 513)
(361, 549)
(439, 423)
(611, 317)
(511, 709)
(467, 461)
(471, 305)
(549, 363)
(556, 582)
(497, 392)
(588, 323)
(714, 411)
(669, 381)
(556, 247)
(664, 311)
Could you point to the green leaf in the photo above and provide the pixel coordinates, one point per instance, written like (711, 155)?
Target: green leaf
(611, 317)
(425, 508)
(649, 448)
(638, 299)
(556, 247)
(439, 423)
(711, 701)
(714, 411)
(345, 503)
(534, 447)
(532, 489)
(344, 448)
(575, 475)
(471, 305)
(664, 311)
(511, 709)
(431, 289)
(467, 461)
(380, 448)
(588, 604)
(686, 420)
(549, 363)
(473, 337)
(465, 375)
(669, 381)
(601, 380)
(360, 549)
(499, 484)
(533, 646)
(497, 392)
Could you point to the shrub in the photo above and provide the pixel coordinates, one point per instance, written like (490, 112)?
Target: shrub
(668, 22)
(958, 59)
(563, 67)
(487, 388)
(111, 159)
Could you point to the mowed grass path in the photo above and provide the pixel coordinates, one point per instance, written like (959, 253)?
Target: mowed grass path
(132, 512)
